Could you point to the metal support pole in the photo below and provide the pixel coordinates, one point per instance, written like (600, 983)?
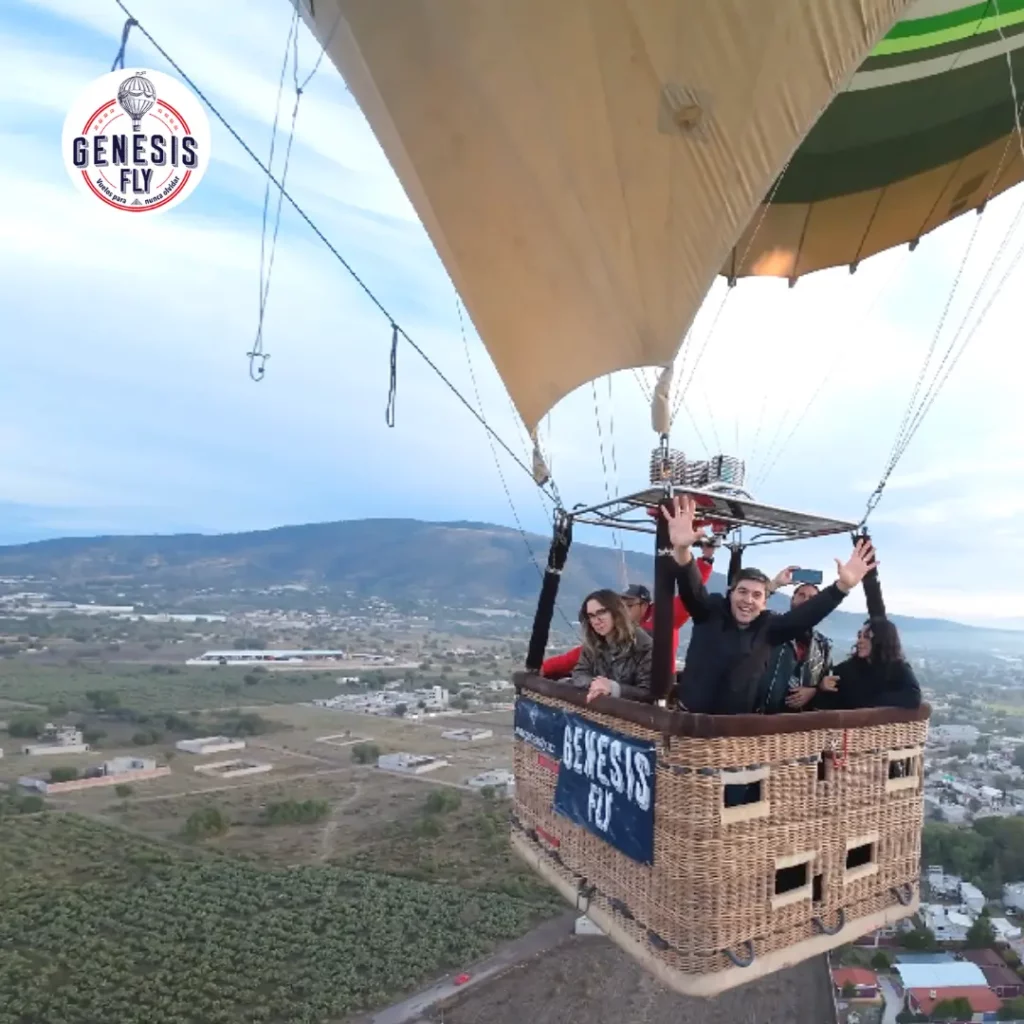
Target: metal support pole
(557, 554)
(663, 657)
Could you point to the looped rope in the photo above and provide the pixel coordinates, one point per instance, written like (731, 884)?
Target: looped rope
(257, 372)
(389, 412)
(119, 58)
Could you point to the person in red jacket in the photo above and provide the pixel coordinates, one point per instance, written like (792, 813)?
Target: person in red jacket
(641, 610)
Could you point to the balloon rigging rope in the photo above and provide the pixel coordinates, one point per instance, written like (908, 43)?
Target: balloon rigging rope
(616, 539)
(913, 416)
(497, 462)
(396, 327)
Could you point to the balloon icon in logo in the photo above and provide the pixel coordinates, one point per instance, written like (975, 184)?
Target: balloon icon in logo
(136, 95)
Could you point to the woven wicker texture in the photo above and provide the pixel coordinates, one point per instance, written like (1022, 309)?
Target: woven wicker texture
(713, 886)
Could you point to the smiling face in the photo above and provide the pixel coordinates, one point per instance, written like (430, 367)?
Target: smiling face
(864, 638)
(600, 618)
(748, 600)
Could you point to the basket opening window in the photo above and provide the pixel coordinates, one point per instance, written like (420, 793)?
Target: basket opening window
(788, 879)
(818, 888)
(861, 857)
(792, 881)
(745, 795)
(904, 770)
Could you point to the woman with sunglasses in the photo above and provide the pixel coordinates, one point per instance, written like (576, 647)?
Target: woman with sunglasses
(615, 658)
(876, 676)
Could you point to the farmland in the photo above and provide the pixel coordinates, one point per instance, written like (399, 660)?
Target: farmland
(99, 924)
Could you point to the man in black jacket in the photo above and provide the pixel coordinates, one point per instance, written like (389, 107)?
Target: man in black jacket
(733, 635)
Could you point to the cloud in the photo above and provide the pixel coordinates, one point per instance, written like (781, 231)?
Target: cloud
(125, 402)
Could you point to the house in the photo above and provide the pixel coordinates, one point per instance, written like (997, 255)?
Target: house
(983, 1001)
(959, 974)
(1013, 895)
(946, 924)
(864, 982)
(1005, 931)
(1003, 980)
(972, 897)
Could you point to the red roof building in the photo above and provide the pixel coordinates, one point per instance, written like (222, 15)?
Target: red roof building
(982, 1000)
(865, 982)
(1003, 980)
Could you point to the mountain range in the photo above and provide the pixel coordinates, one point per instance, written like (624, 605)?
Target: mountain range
(458, 564)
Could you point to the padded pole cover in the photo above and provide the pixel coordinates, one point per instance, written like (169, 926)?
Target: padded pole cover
(872, 586)
(557, 555)
(663, 658)
(735, 564)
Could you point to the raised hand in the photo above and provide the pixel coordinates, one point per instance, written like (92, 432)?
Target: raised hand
(784, 577)
(680, 517)
(861, 562)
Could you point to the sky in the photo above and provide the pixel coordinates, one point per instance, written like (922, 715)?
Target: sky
(126, 404)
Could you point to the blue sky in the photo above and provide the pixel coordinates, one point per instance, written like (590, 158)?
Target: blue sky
(126, 406)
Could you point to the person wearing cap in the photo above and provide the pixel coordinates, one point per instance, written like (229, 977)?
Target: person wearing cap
(795, 667)
(640, 606)
(733, 635)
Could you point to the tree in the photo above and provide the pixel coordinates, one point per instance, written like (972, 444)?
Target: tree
(880, 962)
(849, 990)
(209, 821)
(244, 643)
(440, 801)
(63, 773)
(25, 727)
(1012, 1009)
(981, 934)
(123, 790)
(487, 792)
(400, 710)
(953, 1009)
(919, 938)
(365, 753)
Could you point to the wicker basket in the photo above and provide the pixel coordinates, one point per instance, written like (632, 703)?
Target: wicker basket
(823, 847)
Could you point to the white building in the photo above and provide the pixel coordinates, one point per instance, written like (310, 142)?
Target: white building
(64, 739)
(973, 898)
(120, 765)
(1013, 895)
(264, 657)
(947, 924)
(439, 697)
(209, 745)
(410, 764)
(959, 974)
(467, 735)
(1005, 931)
(954, 734)
(498, 779)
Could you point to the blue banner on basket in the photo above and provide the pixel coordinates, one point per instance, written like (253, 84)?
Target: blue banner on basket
(605, 778)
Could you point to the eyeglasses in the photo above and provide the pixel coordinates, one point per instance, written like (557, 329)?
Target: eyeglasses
(599, 614)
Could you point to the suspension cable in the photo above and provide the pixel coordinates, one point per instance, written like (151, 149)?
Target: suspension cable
(392, 322)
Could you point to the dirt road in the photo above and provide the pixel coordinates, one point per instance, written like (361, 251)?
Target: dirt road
(543, 938)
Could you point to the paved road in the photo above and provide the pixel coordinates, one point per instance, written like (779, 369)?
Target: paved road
(893, 1003)
(540, 940)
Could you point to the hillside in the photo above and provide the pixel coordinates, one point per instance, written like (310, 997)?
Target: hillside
(461, 564)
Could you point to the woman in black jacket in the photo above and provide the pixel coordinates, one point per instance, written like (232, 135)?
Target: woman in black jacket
(877, 676)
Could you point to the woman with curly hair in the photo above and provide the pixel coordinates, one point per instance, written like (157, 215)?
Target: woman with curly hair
(876, 676)
(615, 659)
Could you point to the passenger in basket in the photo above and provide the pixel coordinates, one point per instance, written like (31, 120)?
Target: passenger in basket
(733, 636)
(641, 610)
(615, 659)
(876, 676)
(796, 667)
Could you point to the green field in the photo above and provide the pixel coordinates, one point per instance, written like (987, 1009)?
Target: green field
(100, 925)
(159, 687)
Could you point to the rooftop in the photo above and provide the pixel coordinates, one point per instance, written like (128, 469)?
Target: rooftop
(859, 976)
(927, 976)
(981, 998)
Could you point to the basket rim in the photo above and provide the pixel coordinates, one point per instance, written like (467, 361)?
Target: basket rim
(683, 723)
